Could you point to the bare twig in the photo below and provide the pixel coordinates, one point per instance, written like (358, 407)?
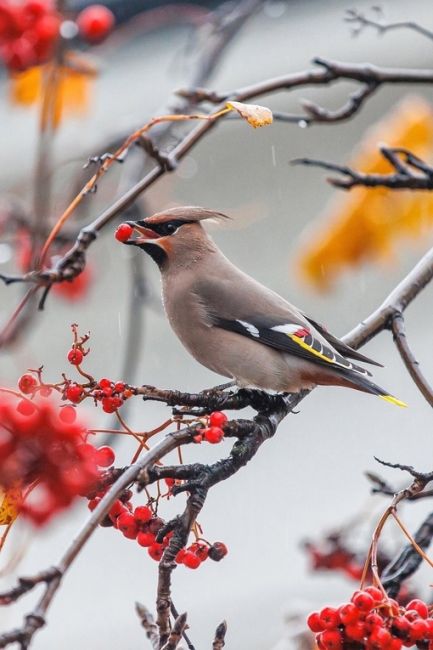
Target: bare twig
(361, 21)
(220, 635)
(73, 262)
(146, 620)
(176, 633)
(412, 365)
(404, 177)
(408, 560)
(200, 478)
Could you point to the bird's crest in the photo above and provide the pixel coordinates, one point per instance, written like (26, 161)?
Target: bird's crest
(188, 214)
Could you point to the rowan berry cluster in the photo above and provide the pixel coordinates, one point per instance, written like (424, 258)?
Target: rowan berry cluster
(29, 30)
(333, 552)
(42, 452)
(373, 621)
(142, 524)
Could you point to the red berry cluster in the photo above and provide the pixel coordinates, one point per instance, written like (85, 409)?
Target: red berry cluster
(28, 32)
(334, 556)
(200, 551)
(42, 451)
(213, 433)
(143, 525)
(373, 621)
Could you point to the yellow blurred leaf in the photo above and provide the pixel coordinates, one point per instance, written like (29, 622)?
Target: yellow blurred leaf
(255, 115)
(10, 506)
(364, 224)
(62, 90)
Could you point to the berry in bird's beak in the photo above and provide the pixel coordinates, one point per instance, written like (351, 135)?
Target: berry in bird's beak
(125, 231)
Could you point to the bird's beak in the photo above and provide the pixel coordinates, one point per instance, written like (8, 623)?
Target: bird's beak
(145, 235)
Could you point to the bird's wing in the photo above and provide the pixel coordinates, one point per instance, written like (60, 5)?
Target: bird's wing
(291, 338)
(240, 304)
(340, 346)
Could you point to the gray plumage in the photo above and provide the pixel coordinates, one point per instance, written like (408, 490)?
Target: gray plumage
(234, 325)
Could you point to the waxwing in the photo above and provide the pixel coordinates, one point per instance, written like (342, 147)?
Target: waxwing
(236, 326)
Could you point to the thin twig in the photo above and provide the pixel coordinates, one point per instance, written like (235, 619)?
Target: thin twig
(409, 360)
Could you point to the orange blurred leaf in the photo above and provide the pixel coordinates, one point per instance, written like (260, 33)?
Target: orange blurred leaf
(365, 224)
(62, 89)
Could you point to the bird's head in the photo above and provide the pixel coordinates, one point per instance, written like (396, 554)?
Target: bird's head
(174, 233)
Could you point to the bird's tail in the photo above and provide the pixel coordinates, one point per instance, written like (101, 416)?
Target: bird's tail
(362, 383)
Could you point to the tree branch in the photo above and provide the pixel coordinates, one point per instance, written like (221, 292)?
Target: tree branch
(409, 360)
(73, 262)
(360, 21)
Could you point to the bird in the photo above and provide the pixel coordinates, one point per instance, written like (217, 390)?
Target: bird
(235, 326)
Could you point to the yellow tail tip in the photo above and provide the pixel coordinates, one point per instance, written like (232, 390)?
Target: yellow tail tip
(393, 400)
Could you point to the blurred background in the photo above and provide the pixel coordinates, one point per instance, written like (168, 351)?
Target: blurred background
(310, 477)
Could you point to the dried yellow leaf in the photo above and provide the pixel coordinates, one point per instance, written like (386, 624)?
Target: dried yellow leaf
(10, 506)
(363, 225)
(253, 113)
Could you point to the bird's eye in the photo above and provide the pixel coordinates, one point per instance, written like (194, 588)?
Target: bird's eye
(170, 228)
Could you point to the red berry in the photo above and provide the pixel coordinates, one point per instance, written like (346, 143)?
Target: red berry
(155, 551)
(214, 435)
(45, 391)
(117, 509)
(217, 551)
(348, 613)
(145, 539)
(37, 8)
(429, 633)
(123, 232)
(104, 383)
(191, 560)
(202, 551)
(355, 631)
(372, 621)
(74, 393)
(400, 626)
(329, 617)
(418, 630)
(354, 570)
(217, 419)
(375, 593)
(68, 414)
(93, 503)
(75, 356)
(111, 404)
(198, 438)
(180, 555)
(105, 456)
(46, 29)
(27, 384)
(95, 23)
(418, 606)
(142, 514)
(379, 638)
(331, 639)
(119, 387)
(155, 525)
(363, 601)
(127, 525)
(25, 407)
(170, 482)
(314, 622)
(86, 451)
(394, 644)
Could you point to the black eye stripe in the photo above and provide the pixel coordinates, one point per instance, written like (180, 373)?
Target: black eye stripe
(165, 228)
